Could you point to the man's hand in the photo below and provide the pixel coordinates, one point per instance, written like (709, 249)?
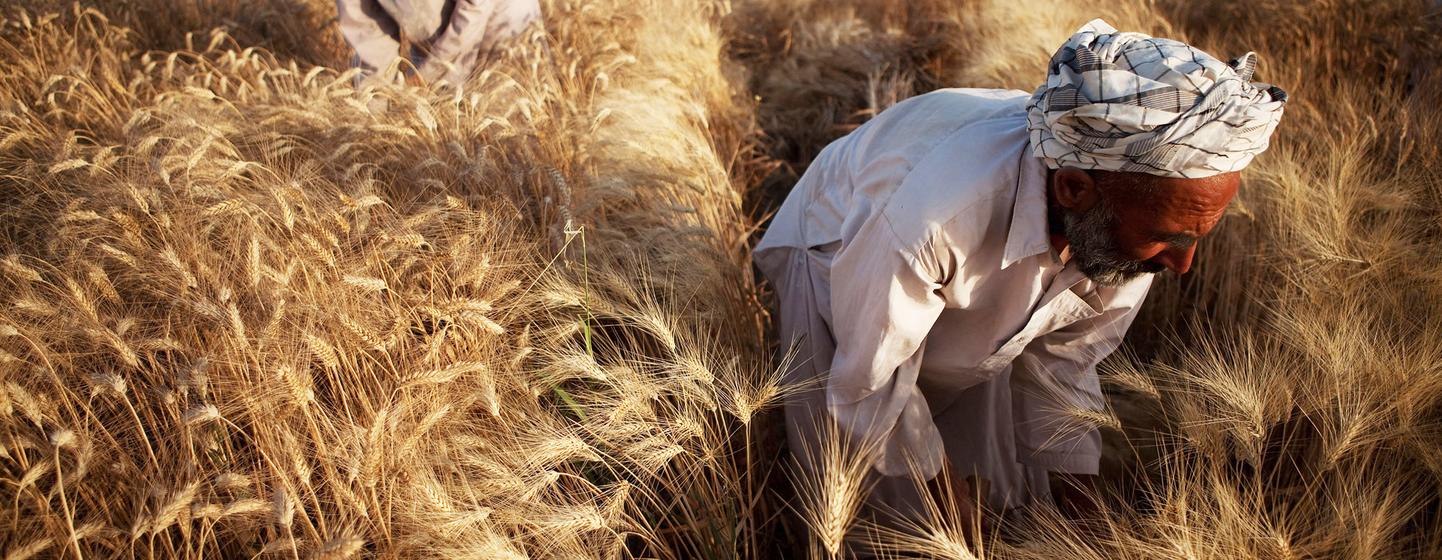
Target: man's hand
(954, 495)
(1076, 496)
(414, 79)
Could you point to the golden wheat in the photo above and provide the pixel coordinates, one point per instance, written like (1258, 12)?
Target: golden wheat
(246, 308)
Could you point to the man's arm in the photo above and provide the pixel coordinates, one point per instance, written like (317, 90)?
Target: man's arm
(475, 25)
(1056, 376)
(464, 32)
(884, 301)
(370, 31)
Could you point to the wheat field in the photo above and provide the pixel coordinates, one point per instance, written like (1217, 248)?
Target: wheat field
(249, 310)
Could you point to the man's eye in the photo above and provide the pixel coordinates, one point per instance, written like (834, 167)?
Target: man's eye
(1180, 241)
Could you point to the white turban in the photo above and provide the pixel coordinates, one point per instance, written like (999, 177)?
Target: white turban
(1130, 102)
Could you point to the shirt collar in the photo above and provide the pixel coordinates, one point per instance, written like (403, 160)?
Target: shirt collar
(1028, 234)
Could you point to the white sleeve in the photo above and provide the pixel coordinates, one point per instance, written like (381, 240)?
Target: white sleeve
(370, 32)
(884, 301)
(1056, 374)
(475, 25)
(463, 34)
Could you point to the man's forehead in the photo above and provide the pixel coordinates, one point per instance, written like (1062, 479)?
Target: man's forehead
(1205, 195)
(1171, 206)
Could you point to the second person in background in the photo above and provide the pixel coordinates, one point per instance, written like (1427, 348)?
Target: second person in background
(445, 39)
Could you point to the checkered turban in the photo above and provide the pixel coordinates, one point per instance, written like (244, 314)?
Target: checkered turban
(1130, 102)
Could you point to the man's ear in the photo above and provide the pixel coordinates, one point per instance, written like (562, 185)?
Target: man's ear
(1075, 189)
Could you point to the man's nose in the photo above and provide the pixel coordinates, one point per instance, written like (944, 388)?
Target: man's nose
(1178, 260)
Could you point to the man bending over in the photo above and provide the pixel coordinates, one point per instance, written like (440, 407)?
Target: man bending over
(953, 270)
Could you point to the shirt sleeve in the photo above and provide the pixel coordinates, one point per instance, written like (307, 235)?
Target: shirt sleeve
(370, 32)
(475, 25)
(884, 301)
(464, 33)
(1056, 375)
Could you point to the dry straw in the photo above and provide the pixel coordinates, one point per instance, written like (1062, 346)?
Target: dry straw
(246, 308)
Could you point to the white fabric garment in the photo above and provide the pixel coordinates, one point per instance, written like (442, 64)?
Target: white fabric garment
(932, 296)
(452, 34)
(1132, 102)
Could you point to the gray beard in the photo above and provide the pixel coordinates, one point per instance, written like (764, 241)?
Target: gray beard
(1089, 234)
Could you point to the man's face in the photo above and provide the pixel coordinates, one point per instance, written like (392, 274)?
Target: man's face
(1145, 224)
